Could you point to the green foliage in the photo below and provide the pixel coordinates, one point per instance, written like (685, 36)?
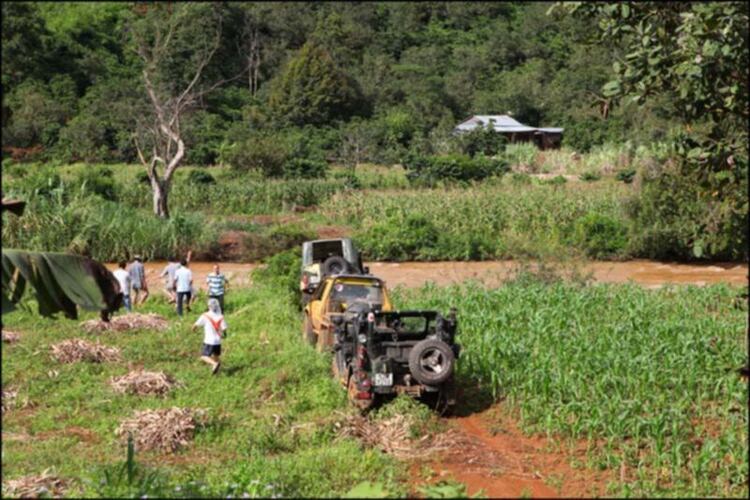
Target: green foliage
(128, 478)
(483, 141)
(521, 154)
(557, 180)
(602, 362)
(99, 181)
(697, 206)
(626, 175)
(483, 222)
(259, 151)
(590, 176)
(349, 178)
(311, 89)
(281, 269)
(428, 170)
(401, 238)
(677, 217)
(600, 236)
(302, 168)
(366, 489)
(200, 177)
(445, 489)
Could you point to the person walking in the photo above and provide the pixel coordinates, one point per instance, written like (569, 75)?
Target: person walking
(183, 278)
(123, 278)
(214, 328)
(138, 280)
(169, 283)
(216, 285)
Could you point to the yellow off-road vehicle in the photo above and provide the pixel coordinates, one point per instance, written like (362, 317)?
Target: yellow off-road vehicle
(333, 297)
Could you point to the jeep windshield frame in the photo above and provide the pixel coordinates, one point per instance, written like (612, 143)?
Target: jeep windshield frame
(405, 322)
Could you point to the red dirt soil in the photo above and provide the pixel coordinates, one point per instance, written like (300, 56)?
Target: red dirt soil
(508, 464)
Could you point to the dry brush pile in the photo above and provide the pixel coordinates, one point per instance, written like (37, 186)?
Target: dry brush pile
(10, 337)
(76, 350)
(392, 436)
(143, 383)
(8, 399)
(43, 485)
(132, 321)
(166, 429)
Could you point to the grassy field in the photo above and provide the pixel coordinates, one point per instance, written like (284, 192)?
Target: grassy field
(271, 410)
(648, 377)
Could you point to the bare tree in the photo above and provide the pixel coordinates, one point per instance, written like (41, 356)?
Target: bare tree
(357, 141)
(174, 83)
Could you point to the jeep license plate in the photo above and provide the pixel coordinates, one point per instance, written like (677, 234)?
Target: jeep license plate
(383, 379)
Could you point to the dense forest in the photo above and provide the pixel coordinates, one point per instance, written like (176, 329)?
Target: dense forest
(403, 74)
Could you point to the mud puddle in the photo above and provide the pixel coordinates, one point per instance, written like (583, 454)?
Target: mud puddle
(652, 274)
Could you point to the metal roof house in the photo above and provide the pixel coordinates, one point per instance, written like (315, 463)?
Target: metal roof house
(544, 138)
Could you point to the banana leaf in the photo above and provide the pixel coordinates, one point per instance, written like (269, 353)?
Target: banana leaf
(60, 282)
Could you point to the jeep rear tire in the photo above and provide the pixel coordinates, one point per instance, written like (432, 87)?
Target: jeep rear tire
(431, 362)
(334, 265)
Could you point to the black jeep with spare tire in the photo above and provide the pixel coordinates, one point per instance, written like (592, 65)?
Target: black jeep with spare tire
(380, 354)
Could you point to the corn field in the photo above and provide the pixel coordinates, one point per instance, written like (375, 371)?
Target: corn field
(648, 377)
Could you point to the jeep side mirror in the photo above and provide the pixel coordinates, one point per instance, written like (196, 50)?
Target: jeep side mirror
(366, 270)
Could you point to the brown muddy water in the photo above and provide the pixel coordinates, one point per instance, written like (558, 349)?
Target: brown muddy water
(651, 274)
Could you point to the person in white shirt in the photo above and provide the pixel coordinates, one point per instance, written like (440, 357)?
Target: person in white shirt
(183, 279)
(123, 278)
(214, 328)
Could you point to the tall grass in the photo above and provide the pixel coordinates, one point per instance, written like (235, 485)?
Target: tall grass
(103, 229)
(648, 376)
(486, 221)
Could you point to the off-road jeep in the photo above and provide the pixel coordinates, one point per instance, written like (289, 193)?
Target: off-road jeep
(322, 258)
(378, 354)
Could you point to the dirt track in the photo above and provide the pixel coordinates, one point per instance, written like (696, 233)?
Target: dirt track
(500, 460)
(412, 274)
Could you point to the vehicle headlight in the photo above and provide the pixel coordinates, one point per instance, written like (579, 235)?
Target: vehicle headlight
(362, 338)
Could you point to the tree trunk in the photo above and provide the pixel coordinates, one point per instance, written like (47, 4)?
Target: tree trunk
(161, 190)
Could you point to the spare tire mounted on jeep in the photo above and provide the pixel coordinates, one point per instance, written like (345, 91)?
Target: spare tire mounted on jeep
(334, 265)
(431, 361)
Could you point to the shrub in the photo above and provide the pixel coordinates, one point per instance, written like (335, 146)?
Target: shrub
(481, 141)
(263, 152)
(99, 181)
(590, 176)
(626, 175)
(142, 178)
(557, 180)
(518, 178)
(281, 269)
(351, 181)
(411, 238)
(426, 170)
(600, 236)
(523, 155)
(199, 177)
(303, 168)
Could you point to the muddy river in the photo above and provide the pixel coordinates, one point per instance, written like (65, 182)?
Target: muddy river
(649, 273)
